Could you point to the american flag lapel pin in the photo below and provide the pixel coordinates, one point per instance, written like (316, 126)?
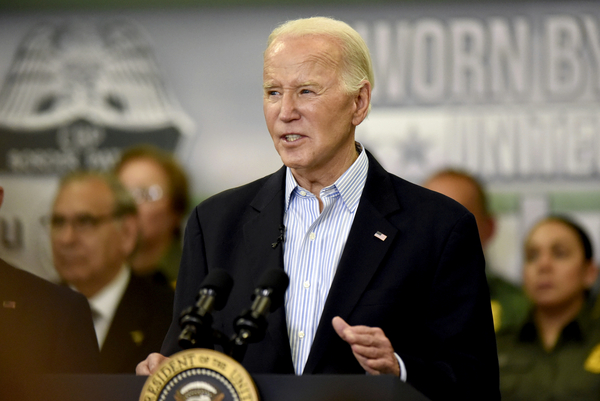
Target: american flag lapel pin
(9, 304)
(380, 235)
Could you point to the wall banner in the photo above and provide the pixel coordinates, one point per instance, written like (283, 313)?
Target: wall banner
(511, 93)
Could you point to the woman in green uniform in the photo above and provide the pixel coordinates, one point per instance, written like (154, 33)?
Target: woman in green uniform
(555, 354)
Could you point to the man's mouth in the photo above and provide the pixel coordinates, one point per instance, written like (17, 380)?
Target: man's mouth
(292, 137)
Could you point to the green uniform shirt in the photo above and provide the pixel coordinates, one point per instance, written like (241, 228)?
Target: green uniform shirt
(169, 264)
(570, 372)
(166, 270)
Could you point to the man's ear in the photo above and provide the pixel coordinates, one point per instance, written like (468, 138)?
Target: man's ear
(362, 102)
(1, 196)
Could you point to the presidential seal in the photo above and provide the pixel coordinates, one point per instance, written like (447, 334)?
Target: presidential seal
(200, 375)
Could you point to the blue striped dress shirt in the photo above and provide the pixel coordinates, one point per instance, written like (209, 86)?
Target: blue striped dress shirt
(314, 242)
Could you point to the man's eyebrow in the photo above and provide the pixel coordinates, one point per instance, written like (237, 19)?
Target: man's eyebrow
(270, 85)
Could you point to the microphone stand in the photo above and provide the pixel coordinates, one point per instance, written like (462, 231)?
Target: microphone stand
(250, 326)
(194, 334)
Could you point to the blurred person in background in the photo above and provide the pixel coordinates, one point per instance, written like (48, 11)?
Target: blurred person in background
(93, 230)
(160, 187)
(555, 354)
(509, 304)
(44, 328)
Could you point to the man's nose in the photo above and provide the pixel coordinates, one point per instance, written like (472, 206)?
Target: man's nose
(289, 110)
(66, 234)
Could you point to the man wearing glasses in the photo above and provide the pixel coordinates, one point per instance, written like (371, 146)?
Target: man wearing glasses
(93, 230)
(44, 328)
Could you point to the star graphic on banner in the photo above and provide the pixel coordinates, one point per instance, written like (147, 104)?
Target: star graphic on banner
(414, 149)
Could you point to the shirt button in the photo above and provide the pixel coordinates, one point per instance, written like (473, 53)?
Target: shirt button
(312, 236)
(303, 193)
(301, 334)
(306, 284)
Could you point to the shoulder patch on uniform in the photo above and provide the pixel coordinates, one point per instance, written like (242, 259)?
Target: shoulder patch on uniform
(137, 336)
(496, 314)
(592, 363)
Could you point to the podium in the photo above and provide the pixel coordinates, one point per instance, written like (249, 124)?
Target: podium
(270, 387)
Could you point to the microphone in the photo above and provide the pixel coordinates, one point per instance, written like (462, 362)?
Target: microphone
(196, 321)
(251, 325)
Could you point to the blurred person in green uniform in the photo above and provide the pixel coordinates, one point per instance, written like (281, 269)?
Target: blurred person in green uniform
(509, 304)
(160, 187)
(555, 354)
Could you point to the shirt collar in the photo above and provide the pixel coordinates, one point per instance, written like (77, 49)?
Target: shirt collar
(105, 302)
(349, 185)
(574, 331)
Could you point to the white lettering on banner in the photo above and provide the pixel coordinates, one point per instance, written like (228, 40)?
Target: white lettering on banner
(468, 59)
(60, 161)
(42, 160)
(102, 159)
(515, 99)
(593, 41)
(566, 67)
(510, 57)
(500, 143)
(429, 74)
(474, 60)
(582, 139)
(392, 68)
(81, 135)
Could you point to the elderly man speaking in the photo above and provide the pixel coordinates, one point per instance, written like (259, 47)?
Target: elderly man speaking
(385, 277)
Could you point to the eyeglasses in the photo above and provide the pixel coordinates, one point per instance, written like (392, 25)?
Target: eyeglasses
(152, 193)
(81, 223)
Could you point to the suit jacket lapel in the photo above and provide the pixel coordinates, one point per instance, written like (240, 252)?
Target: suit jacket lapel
(260, 232)
(118, 347)
(362, 255)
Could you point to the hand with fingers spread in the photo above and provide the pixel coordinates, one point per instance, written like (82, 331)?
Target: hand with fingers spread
(370, 346)
(149, 365)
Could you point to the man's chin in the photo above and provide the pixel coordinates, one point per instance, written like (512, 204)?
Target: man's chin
(73, 273)
(292, 158)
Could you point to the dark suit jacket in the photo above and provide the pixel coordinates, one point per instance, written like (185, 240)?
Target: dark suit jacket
(138, 327)
(424, 285)
(44, 328)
